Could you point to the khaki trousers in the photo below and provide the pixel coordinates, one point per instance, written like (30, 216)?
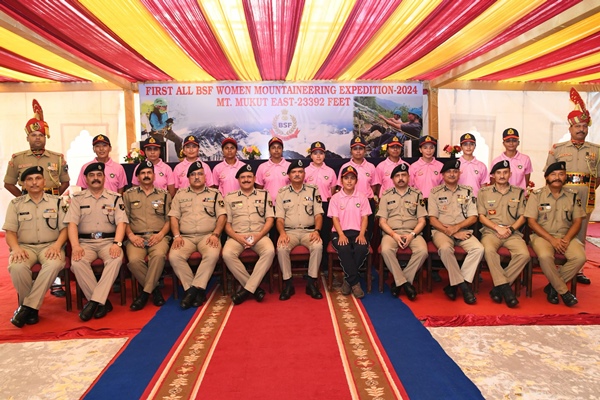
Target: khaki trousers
(92, 289)
(179, 261)
(519, 257)
(389, 247)
(445, 245)
(300, 237)
(147, 273)
(266, 253)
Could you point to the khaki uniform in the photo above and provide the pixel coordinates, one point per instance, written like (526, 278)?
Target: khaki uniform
(54, 164)
(581, 164)
(197, 214)
(37, 227)
(94, 216)
(248, 215)
(402, 213)
(451, 208)
(298, 210)
(556, 216)
(503, 209)
(147, 215)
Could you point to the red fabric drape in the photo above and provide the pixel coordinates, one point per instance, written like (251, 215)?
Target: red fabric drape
(447, 19)
(68, 25)
(184, 22)
(594, 69)
(494, 320)
(7, 79)
(15, 62)
(273, 28)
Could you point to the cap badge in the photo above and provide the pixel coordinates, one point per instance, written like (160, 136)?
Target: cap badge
(505, 163)
(300, 163)
(100, 137)
(511, 132)
(318, 144)
(152, 140)
(248, 167)
(467, 136)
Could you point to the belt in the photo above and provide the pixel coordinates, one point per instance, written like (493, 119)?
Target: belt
(300, 227)
(96, 235)
(577, 178)
(145, 233)
(51, 191)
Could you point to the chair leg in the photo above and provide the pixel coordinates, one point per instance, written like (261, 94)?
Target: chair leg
(380, 272)
(223, 277)
(330, 272)
(67, 280)
(429, 272)
(79, 296)
(529, 279)
(369, 273)
(574, 285)
(123, 285)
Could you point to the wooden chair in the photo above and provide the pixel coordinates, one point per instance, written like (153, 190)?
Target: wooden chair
(401, 255)
(299, 254)
(332, 255)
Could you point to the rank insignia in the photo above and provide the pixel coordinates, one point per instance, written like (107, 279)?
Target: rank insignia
(122, 207)
(270, 203)
(221, 203)
(319, 200)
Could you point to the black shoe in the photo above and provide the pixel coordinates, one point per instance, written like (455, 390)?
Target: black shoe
(435, 275)
(240, 296)
(189, 297)
(57, 290)
(200, 298)
(259, 294)
(468, 295)
(20, 316)
(33, 317)
(569, 299)
(509, 296)
(450, 292)
(552, 295)
(161, 282)
(584, 280)
(395, 289)
(88, 311)
(410, 290)
(140, 302)
(313, 291)
(117, 286)
(496, 295)
(157, 297)
(288, 291)
(103, 309)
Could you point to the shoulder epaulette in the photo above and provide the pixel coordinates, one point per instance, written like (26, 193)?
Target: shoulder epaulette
(538, 191)
(19, 153)
(311, 186)
(593, 144)
(131, 189)
(161, 191)
(54, 152)
(79, 193)
(212, 190)
(283, 189)
(388, 191)
(516, 187)
(234, 193)
(113, 193)
(485, 188)
(568, 190)
(416, 190)
(437, 188)
(17, 200)
(466, 187)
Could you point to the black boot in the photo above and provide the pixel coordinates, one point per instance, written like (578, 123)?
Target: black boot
(509, 296)
(410, 290)
(551, 294)
(157, 297)
(240, 296)
(288, 290)
(20, 316)
(496, 294)
(189, 297)
(103, 309)
(140, 302)
(451, 292)
(312, 289)
(200, 298)
(468, 295)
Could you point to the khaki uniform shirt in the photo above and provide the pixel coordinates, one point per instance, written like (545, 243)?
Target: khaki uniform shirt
(248, 213)
(96, 215)
(298, 209)
(197, 212)
(35, 223)
(146, 213)
(451, 208)
(554, 215)
(501, 209)
(402, 211)
(54, 164)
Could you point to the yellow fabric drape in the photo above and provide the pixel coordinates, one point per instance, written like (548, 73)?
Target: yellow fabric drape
(408, 16)
(21, 76)
(27, 49)
(574, 65)
(228, 23)
(584, 78)
(131, 21)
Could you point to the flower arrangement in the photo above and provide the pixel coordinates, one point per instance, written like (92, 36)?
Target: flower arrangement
(530, 188)
(452, 150)
(251, 152)
(383, 150)
(135, 155)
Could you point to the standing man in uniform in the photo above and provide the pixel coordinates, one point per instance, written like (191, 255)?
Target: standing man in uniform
(451, 212)
(197, 221)
(501, 207)
(299, 222)
(583, 164)
(402, 218)
(114, 173)
(35, 232)
(97, 221)
(555, 215)
(147, 209)
(249, 218)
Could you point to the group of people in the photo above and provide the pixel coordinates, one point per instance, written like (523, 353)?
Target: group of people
(169, 214)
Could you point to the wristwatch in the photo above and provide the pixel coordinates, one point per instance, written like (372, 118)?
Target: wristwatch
(413, 234)
(512, 230)
(120, 244)
(318, 230)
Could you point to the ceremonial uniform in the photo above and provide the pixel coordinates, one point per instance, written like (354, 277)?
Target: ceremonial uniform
(248, 215)
(96, 221)
(197, 214)
(451, 208)
(147, 216)
(273, 177)
(37, 227)
(115, 177)
(425, 176)
(163, 175)
(503, 209)
(298, 210)
(54, 165)
(181, 174)
(402, 212)
(224, 176)
(556, 215)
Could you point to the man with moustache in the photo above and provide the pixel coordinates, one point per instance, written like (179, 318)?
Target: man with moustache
(197, 221)
(147, 207)
(582, 163)
(249, 218)
(555, 215)
(35, 232)
(299, 222)
(97, 221)
(402, 218)
(452, 212)
(501, 207)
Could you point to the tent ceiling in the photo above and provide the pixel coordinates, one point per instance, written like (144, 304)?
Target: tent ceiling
(458, 43)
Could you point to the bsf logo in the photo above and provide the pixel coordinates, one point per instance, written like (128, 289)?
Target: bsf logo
(285, 126)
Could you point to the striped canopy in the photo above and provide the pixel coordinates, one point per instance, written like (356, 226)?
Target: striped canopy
(457, 43)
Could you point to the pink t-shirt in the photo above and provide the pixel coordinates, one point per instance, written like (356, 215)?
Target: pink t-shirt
(349, 209)
(163, 175)
(224, 176)
(425, 176)
(180, 172)
(384, 169)
(473, 173)
(324, 178)
(114, 173)
(520, 165)
(273, 177)
(367, 177)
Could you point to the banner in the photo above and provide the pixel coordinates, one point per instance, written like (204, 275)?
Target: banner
(252, 113)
